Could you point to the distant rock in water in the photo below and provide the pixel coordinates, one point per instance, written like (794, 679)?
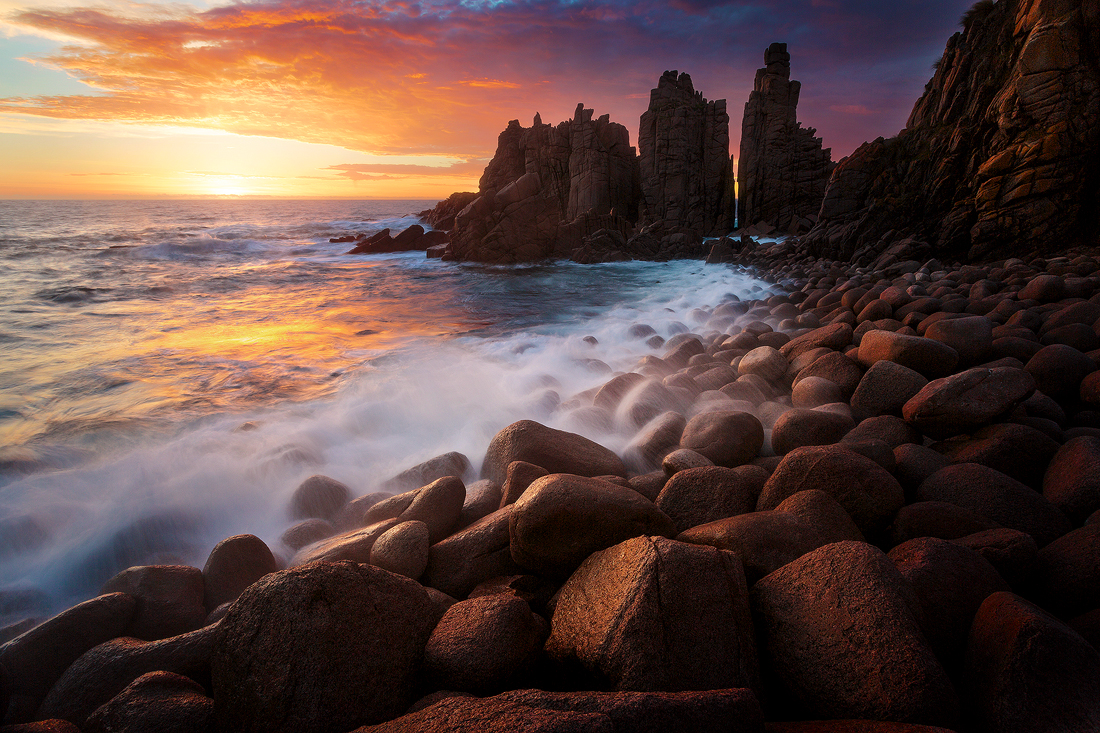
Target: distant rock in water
(1001, 154)
(442, 215)
(546, 188)
(683, 147)
(782, 170)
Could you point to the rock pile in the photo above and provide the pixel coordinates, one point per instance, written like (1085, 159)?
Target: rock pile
(870, 498)
(782, 169)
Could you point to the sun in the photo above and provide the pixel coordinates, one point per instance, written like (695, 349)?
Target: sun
(229, 191)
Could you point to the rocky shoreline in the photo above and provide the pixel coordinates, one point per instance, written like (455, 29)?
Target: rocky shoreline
(870, 497)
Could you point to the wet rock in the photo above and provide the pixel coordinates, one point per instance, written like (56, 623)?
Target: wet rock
(234, 564)
(42, 654)
(354, 513)
(323, 647)
(1067, 576)
(835, 336)
(840, 633)
(438, 505)
(814, 391)
(554, 450)
(763, 541)
(1072, 479)
(929, 358)
(800, 427)
(306, 532)
(672, 616)
(821, 510)
(869, 494)
(536, 711)
(561, 519)
(884, 389)
(472, 555)
(484, 644)
(157, 702)
(966, 401)
(170, 599)
(765, 362)
(354, 546)
(699, 495)
(654, 442)
(520, 475)
(319, 496)
(403, 549)
(105, 670)
(449, 464)
(998, 497)
(1028, 671)
(482, 499)
(838, 369)
(725, 438)
(950, 582)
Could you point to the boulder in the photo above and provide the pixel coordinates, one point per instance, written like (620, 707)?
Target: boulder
(1028, 671)
(838, 628)
(403, 549)
(323, 647)
(671, 616)
(449, 464)
(157, 702)
(824, 512)
(765, 362)
(1067, 577)
(835, 336)
(519, 476)
(884, 389)
(36, 659)
(1072, 479)
(971, 337)
(355, 545)
(561, 519)
(482, 499)
(472, 555)
(966, 401)
(170, 599)
(1013, 553)
(484, 644)
(928, 357)
(699, 495)
(306, 532)
(646, 450)
(801, 427)
(104, 671)
(837, 368)
(869, 494)
(1019, 451)
(234, 564)
(438, 505)
(554, 450)
(726, 438)
(319, 496)
(998, 497)
(938, 519)
(1059, 370)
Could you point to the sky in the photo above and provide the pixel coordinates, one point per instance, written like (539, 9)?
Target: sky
(367, 99)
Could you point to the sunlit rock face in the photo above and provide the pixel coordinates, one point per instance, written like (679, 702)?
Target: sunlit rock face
(547, 187)
(683, 147)
(783, 169)
(999, 155)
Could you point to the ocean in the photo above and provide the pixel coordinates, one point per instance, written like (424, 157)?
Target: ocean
(171, 370)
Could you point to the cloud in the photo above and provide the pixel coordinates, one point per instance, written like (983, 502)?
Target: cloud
(443, 78)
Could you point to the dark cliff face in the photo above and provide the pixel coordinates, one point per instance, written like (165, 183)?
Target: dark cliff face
(1000, 156)
(547, 187)
(782, 169)
(683, 146)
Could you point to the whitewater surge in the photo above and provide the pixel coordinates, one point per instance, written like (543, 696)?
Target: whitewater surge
(357, 368)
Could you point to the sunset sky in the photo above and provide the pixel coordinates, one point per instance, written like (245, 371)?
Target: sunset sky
(341, 98)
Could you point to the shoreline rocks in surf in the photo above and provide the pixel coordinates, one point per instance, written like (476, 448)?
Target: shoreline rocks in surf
(870, 497)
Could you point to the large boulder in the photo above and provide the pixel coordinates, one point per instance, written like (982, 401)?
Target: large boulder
(866, 490)
(170, 599)
(561, 519)
(1072, 480)
(930, 358)
(699, 495)
(323, 647)
(840, 632)
(157, 702)
(1028, 671)
(671, 616)
(472, 555)
(964, 402)
(1067, 578)
(554, 450)
(726, 438)
(236, 563)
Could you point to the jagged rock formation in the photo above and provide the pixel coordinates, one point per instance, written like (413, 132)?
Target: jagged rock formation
(442, 216)
(782, 170)
(683, 146)
(1000, 156)
(546, 188)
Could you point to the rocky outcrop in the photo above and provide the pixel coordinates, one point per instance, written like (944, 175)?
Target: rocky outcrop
(546, 188)
(1000, 156)
(683, 147)
(782, 170)
(442, 215)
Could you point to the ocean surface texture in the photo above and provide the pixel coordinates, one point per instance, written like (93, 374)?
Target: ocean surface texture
(137, 338)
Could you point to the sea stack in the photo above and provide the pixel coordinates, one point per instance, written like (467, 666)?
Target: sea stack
(683, 147)
(782, 169)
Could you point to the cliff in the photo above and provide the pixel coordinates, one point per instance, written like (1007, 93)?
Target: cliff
(1001, 154)
(782, 168)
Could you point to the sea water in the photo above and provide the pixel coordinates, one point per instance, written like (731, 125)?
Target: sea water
(170, 371)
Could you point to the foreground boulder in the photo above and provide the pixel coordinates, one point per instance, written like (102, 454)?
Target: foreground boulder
(323, 647)
(670, 616)
(966, 401)
(554, 450)
(1029, 672)
(839, 631)
(536, 711)
(561, 519)
(154, 702)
